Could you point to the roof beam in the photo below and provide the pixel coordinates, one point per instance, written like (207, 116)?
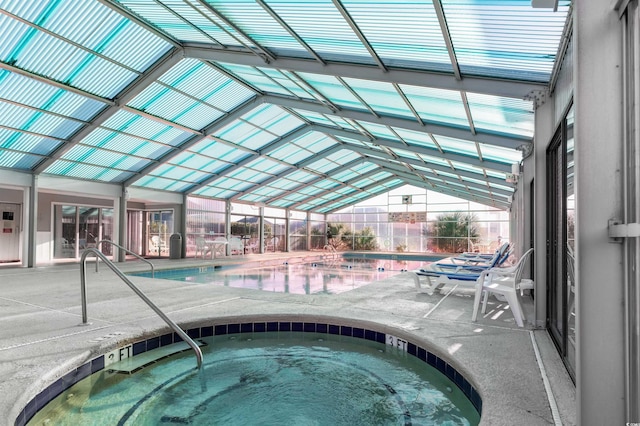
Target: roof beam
(504, 141)
(489, 86)
(438, 180)
(162, 65)
(369, 152)
(487, 164)
(437, 168)
(467, 195)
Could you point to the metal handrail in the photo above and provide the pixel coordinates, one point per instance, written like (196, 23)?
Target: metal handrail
(128, 251)
(118, 272)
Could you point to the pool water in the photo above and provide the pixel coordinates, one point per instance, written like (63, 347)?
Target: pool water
(323, 276)
(268, 379)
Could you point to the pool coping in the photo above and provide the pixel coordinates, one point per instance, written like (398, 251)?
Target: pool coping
(255, 324)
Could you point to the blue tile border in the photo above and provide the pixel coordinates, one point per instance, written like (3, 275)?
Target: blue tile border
(97, 364)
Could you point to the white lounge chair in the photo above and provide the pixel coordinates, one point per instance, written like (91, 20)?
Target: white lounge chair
(450, 271)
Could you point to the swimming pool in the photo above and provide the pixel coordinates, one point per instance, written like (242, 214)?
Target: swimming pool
(272, 372)
(326, 275)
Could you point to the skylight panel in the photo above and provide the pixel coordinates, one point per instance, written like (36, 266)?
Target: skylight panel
(155, 182)
(213, 192)
(290, 153)
(378, 130)
(87, 171)
(76, 21)
(248, 175)
(123, 143)
(381, 96)
(22, 118)
(255, 78)
(293, 86)
(260, 26)
(17, 160)
(267, 165)
(332, 89)
(437, 105)
(345, 175)
(503, 115)
(456, 145)
(274, 119)
(208, 23)
(323, 28)
(505, 40)
(403, 33)
(160, 17)
(284, 184)
(31, 92)
(322, 165)
(206, 164)
(500, 154)
(174, 106)
(416, 138)
(146, 128)
(108, 159)
(182, 175)
(264, 191)
(27, 143)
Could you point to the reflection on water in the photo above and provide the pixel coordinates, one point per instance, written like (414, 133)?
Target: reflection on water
(325, 276)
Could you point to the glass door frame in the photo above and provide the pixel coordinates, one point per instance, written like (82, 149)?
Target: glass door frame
(557, 321)
(75, 242)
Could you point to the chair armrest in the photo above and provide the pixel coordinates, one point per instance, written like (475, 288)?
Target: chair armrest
(502, 271)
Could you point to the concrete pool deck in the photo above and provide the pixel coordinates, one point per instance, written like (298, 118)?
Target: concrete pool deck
(41, 336)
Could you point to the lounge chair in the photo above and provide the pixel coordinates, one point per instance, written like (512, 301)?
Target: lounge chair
(478, 262)
(452, 271)
(436, 278)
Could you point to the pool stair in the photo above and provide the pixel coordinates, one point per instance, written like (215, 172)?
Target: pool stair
(136, 363)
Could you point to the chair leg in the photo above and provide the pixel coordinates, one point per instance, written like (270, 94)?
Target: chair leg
(484, 302)
(514, 304)
(476, 302)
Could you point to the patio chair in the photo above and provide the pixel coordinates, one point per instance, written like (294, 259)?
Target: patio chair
(504, 282)
(156, 247)
(202, 248)
(272, 244)
(235, 245)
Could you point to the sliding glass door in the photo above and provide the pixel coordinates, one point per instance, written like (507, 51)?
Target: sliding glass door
(561, 284)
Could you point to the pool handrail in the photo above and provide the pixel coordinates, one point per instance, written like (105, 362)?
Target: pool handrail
(123, 277)
(128, 251)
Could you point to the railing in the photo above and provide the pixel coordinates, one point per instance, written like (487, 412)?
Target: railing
(118, 272)
(128, 251)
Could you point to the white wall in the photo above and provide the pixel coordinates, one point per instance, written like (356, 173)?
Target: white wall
(598, 133)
